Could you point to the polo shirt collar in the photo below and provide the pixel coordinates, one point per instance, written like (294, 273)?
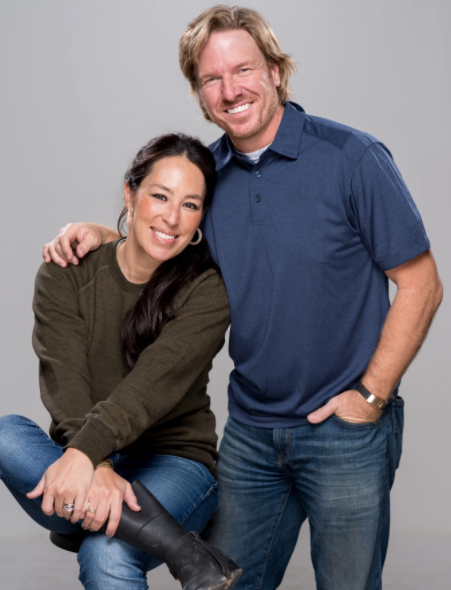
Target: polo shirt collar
(286, 143)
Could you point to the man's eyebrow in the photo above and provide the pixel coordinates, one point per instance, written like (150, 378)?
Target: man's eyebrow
(237, 67)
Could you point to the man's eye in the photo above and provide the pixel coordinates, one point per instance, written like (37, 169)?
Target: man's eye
(209, 80)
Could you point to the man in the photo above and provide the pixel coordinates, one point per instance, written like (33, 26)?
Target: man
(309, 221)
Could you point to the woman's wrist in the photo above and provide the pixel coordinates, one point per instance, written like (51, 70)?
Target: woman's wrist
(108, 463)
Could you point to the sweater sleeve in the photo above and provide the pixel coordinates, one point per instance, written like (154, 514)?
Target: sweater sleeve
(164, 373)
(60, 342)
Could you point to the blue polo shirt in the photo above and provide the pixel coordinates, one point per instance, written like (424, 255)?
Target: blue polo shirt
(303, 238)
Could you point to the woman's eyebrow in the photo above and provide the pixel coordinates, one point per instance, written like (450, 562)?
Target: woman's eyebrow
(164, 188)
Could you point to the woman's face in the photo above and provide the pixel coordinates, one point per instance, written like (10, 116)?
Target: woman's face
(167, 208)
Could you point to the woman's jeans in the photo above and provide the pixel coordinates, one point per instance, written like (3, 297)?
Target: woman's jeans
(336, 474)
(185, 488)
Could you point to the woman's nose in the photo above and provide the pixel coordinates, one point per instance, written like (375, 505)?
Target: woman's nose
(171, 215)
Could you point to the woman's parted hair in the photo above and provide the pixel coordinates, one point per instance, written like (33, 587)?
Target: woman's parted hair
(155, 306)
(226, 18)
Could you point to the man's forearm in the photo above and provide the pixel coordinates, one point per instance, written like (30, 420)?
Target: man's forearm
(108, 234)
(404, 331)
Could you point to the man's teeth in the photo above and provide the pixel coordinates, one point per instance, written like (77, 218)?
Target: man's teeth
(162, 235)
(243, 107)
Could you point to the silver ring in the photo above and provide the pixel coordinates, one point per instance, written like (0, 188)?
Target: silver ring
(68, 507)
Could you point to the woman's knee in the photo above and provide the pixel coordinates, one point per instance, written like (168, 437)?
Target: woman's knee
(109, 563)
(12, 443)
(25, 451)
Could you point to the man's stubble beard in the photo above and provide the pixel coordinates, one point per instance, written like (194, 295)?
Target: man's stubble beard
(262, 125)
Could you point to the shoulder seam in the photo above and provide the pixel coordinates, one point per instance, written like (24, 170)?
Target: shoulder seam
(373, 142)
(93, 279)
(362, 156)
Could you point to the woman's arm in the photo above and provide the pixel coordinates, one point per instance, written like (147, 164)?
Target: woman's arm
(81, 237)
(60, 341)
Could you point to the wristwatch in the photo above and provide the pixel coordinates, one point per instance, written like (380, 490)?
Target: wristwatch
(376, 402)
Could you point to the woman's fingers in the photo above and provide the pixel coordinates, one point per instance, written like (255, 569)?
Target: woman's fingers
(130, 499)
(100, 516)
(38, 490)
(79, 508)
(90, 512)
(48, 502)
(115, 516)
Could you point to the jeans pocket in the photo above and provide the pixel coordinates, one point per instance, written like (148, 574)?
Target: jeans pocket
(354, 424)
(397, 411)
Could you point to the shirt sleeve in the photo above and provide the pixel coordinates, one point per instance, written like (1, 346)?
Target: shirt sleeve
(164, 373)
(386, 217)
(60, 342)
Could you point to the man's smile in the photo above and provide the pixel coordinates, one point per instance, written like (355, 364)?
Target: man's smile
(239, 108)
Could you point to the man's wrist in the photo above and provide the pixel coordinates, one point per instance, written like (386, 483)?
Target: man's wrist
(108, 234)
(375, 401)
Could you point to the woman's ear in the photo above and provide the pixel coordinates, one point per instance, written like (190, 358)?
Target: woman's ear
(128, 201)
(128, 196)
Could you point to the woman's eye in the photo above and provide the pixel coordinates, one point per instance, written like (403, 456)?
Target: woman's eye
(192, 206)
(159, 197)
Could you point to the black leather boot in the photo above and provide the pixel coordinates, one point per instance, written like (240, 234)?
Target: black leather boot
(198, 565)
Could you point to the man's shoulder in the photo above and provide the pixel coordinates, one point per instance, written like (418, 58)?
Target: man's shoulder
(217, 147)
(352, 142)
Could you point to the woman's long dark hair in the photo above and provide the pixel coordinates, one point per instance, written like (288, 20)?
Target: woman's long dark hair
(154, 307)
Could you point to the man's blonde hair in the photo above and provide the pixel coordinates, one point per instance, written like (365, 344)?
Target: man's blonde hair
(226, 18)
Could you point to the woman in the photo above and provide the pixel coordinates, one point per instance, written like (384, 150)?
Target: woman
(125, 342)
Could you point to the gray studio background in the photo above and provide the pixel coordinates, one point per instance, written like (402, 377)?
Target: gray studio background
(85, 83)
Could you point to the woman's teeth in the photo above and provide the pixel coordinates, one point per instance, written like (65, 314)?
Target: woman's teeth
(243, 107)
(162, 235)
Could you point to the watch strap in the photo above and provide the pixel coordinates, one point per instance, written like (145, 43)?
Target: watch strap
(375, 401)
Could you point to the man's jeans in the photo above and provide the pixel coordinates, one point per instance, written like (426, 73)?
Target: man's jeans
(186, 488)
(336, 474)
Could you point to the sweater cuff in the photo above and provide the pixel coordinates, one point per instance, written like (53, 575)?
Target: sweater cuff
(95, 440)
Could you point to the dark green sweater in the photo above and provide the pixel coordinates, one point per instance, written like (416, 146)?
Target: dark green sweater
(96, 403)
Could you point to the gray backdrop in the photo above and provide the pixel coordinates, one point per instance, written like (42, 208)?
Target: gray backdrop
(86, 83)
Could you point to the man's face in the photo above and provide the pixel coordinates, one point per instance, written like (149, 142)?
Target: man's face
(236, 86)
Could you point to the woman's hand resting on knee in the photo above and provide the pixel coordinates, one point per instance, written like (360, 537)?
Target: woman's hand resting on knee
(106, 494)
(67, 481)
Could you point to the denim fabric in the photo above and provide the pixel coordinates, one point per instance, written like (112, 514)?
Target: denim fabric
(337, 474)
(186, 489)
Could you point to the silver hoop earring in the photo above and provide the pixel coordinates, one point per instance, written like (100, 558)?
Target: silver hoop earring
(198, 239)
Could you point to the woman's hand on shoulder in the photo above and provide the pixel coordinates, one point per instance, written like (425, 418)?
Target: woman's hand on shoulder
(106, 494)
(81, 237)
(66, 481)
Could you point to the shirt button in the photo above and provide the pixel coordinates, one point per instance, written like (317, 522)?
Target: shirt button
(258, 198)
(258, 174)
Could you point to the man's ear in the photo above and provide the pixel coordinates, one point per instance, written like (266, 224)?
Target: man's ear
(274, 68)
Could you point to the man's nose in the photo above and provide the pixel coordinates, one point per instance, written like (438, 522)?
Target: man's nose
(230, 90)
